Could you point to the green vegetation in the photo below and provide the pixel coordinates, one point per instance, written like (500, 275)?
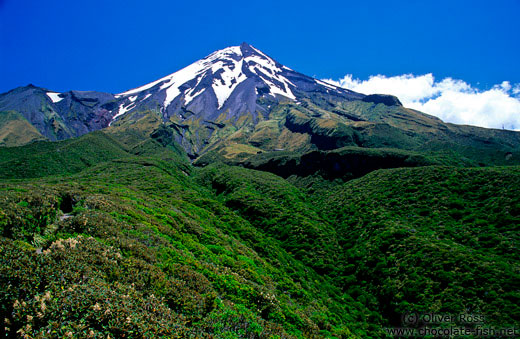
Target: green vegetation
(45, 158)
(317, 124)
(16, 130)
(135, 247)
(432, 239)
(127, 239)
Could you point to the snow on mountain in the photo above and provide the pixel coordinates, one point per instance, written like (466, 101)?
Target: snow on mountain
(229, 64)
(229, 80)
(54, 97)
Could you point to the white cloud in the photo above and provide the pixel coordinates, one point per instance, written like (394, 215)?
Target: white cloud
(450, 99)
(516, 89)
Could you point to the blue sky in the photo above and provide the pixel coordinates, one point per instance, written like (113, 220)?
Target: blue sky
(116, 45)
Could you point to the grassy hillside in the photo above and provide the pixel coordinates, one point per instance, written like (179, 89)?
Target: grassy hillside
(130, 240)
(16, 130)
(134, 247)
(45, 158)
(278, 209)
(432, 239)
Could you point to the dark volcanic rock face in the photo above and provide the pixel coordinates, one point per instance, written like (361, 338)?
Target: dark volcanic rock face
(388, 100)
(59, 116)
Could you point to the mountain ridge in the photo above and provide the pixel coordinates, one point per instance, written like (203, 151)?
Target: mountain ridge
(239, 101)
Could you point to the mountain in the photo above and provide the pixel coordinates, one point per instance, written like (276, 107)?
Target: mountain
(226, 85)
(238, 103)
(232, 90)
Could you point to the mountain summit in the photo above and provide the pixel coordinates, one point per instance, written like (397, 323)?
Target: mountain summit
(228, 81)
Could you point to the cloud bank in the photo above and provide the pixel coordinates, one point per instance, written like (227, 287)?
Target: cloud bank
(450, 99)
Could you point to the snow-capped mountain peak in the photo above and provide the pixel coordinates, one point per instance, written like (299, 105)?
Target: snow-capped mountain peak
(227, 66)
(209, 85)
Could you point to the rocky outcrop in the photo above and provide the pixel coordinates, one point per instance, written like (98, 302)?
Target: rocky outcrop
(385, 99)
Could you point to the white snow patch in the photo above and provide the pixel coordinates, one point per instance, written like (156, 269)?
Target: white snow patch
(190, 93)
(273, 89)
(189, 97)
(231, 78)
(174, 81)
(54, 97)
(142, 88)
(179, 78)
(122, 110)
(233, 50)
(326, 84)
(267, 67)
(265, 63)
(260, 52)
